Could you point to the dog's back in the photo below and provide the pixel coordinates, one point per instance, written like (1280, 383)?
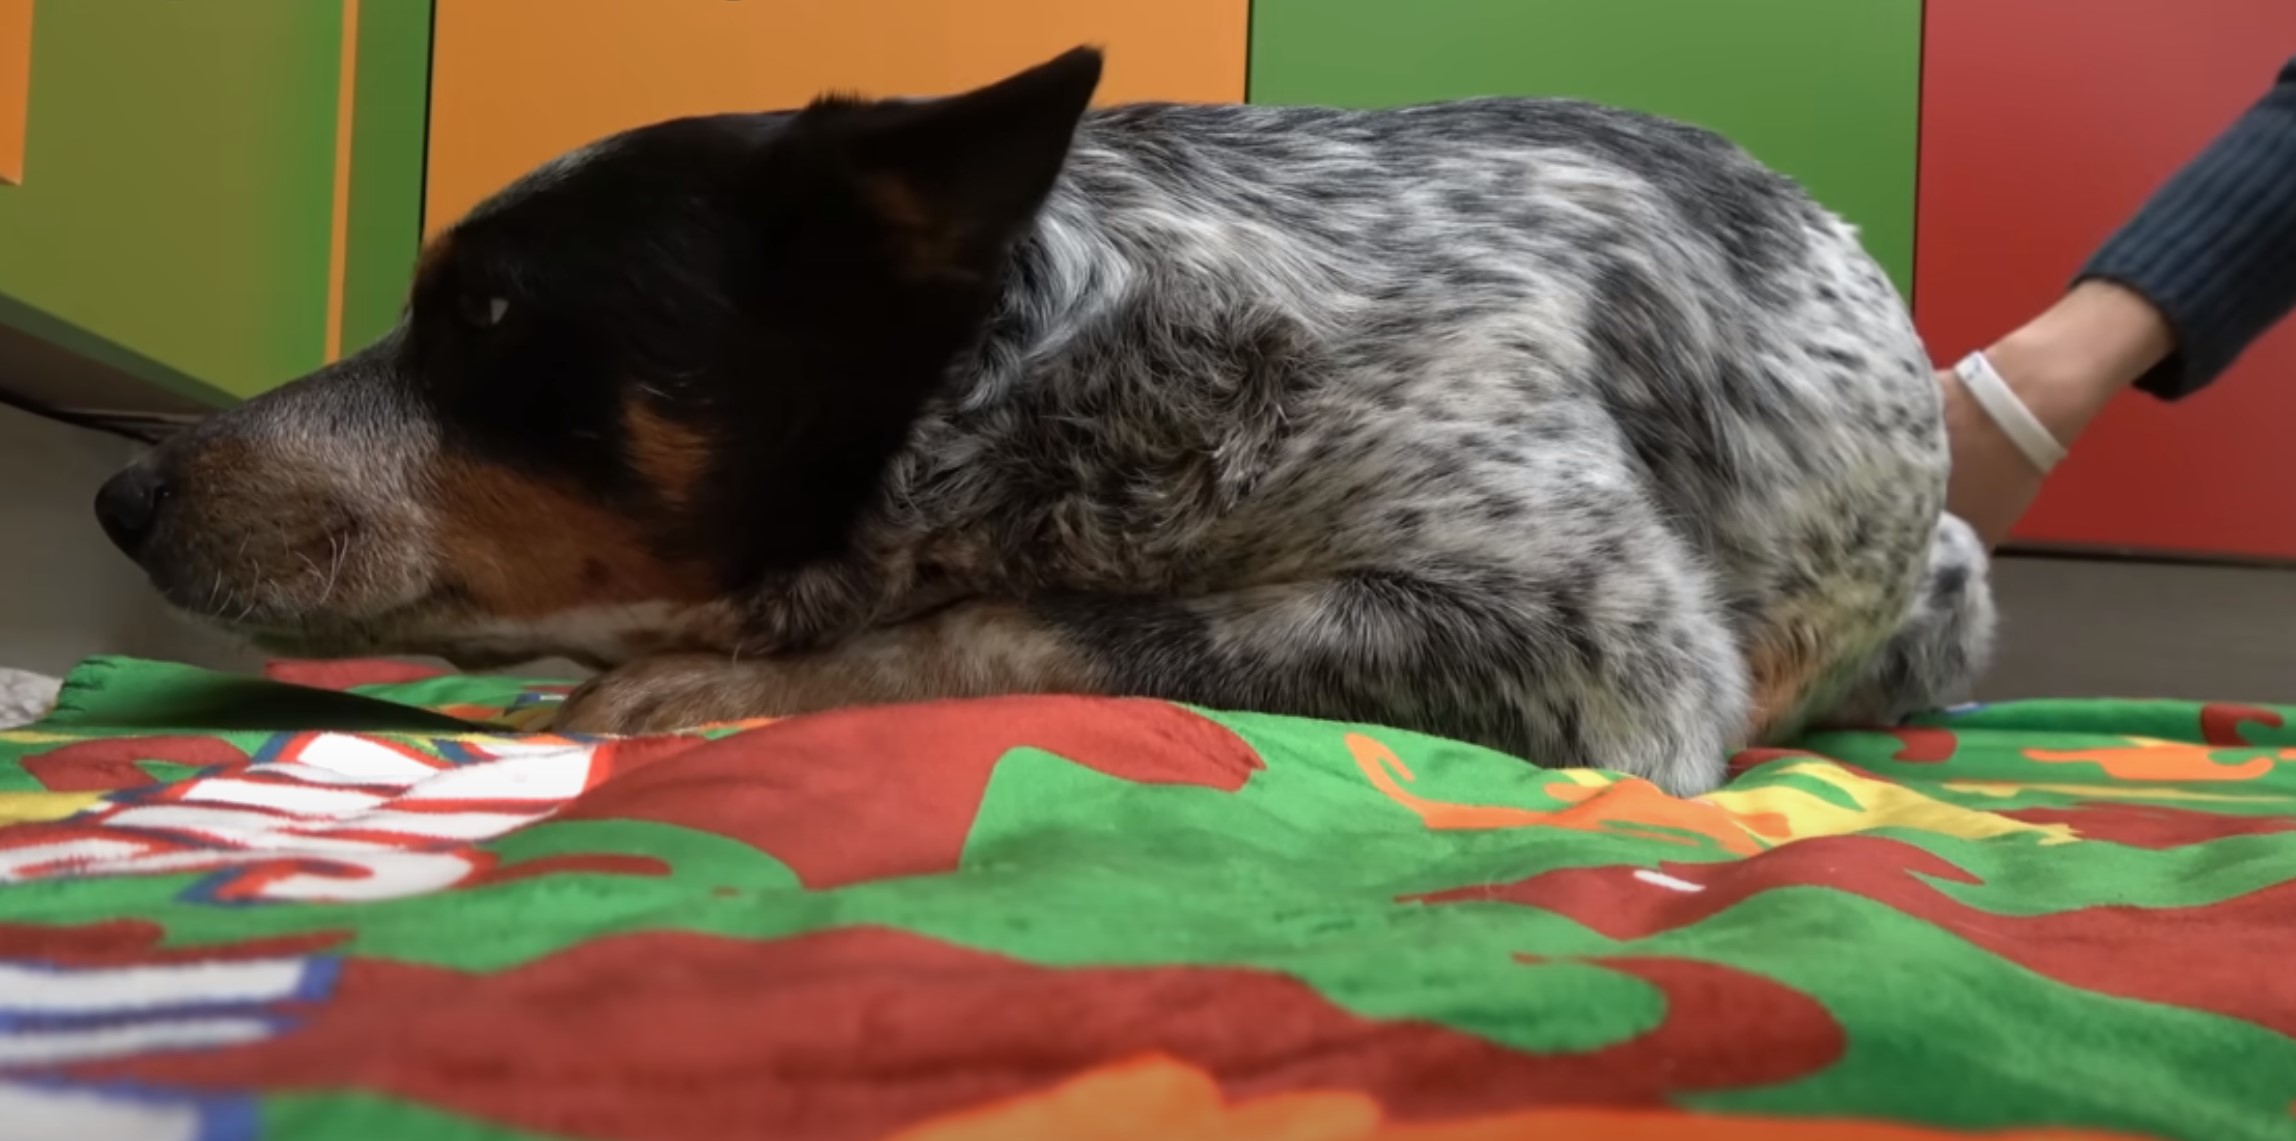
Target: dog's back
(1653, 415)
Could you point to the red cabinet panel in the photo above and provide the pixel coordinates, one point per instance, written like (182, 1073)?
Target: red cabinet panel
(2045, 124)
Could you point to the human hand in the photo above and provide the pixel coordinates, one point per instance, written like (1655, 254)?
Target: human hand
(2065, 365)
(1992, 482)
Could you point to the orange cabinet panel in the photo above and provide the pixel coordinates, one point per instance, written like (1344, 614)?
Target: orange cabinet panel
(2045, 124)
(15, 85)
(517, 81)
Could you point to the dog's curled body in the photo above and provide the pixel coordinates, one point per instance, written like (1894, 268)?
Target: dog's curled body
(1563, 429)
(1555, 427)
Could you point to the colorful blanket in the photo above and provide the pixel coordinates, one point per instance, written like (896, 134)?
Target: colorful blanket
(236, 908)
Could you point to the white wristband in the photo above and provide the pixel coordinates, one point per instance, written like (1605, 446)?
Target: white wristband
(2015, 420)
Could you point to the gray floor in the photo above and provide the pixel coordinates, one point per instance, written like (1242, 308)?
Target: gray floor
(2118, 628)
(64, 592)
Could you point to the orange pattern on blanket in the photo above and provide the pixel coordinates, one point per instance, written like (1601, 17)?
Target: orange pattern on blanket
(2149, 759)
(1628, 806)
(1154, 1097)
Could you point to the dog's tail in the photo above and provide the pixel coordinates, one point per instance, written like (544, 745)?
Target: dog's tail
(1936, 656)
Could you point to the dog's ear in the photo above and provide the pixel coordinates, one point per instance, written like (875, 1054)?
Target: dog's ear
(944, 184)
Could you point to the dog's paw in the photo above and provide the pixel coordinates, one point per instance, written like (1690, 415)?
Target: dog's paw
(670, 692)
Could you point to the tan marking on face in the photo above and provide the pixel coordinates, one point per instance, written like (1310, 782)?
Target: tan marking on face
(670, 457)
(525, 548)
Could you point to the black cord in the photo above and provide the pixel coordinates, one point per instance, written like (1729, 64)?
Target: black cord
(76, 419)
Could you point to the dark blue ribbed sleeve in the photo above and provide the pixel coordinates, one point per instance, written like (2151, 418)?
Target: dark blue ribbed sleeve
(2215, 247)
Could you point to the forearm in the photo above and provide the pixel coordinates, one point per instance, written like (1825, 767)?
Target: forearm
(2214, 249)
(2070, 361)
(2065, 366)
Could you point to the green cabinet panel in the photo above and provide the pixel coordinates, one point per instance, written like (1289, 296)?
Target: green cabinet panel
(178, 202)
(1825, 90)
(390, 111)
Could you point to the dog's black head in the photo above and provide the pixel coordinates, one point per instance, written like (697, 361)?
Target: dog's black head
(624, 389)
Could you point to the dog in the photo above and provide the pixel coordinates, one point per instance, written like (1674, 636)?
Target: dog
(1566, 430)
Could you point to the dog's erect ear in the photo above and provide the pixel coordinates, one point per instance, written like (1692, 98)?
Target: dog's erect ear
(950, 181)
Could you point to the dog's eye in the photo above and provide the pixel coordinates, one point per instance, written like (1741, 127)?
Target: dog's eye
(484, 312)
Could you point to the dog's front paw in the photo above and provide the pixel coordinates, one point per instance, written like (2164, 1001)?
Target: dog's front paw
(673, 691)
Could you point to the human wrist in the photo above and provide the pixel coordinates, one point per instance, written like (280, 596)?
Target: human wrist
(2069, 362)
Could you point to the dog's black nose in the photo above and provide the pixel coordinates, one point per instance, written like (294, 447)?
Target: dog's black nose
(129, 504)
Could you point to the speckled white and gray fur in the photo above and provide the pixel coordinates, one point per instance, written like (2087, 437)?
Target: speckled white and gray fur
(1554, 427)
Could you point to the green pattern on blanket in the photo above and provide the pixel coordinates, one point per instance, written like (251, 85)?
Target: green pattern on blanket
(239, 908)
